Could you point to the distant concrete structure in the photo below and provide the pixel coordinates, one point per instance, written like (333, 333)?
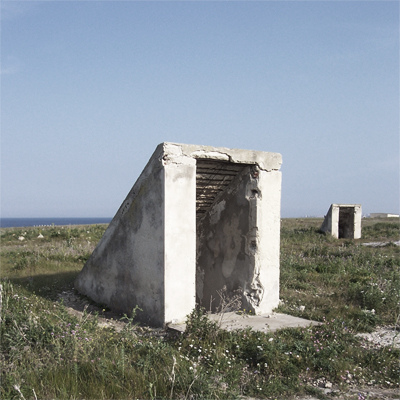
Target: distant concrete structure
(343, 221)
(383, 215)
(197, 221)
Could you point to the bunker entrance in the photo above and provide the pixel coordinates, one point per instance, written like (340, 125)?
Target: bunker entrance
(346, 222)
(224, 262)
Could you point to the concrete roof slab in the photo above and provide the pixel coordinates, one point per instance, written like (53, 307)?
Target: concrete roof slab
(267, 161)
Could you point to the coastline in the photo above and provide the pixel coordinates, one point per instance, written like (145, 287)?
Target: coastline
(49, 222)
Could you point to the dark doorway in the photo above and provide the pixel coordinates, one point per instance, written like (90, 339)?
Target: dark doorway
(346, 223)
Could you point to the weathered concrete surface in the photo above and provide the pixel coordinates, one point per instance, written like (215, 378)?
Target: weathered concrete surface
(343, 221)
(238, 243)
(231, 321)
(131, 265)
(147, 256)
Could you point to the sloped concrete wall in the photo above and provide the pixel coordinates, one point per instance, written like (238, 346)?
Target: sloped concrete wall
(126, 268)
(146, 257)
(330, 223)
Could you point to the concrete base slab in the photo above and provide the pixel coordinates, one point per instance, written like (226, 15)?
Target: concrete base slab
(231, 321)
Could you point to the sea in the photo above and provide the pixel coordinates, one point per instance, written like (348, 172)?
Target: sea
(25, 222)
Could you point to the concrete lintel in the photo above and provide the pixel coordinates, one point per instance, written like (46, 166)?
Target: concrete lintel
(265, 160)
(355, 206)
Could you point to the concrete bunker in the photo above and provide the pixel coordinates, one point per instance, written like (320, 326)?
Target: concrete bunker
(343, 221)
(198, 221)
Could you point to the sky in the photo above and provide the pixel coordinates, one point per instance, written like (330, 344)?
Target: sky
(90, 88)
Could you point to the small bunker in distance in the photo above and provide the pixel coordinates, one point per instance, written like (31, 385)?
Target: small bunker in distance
(343, 221)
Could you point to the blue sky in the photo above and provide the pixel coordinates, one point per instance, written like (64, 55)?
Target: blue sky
(89, 89)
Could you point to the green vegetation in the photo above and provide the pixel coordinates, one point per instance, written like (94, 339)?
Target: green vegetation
(333, 278)
(47, 353)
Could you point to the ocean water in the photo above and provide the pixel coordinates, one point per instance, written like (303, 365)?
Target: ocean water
(25, 222)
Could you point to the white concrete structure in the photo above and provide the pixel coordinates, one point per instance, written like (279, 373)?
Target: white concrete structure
(343, 221)
(197, 220)
(383, 215)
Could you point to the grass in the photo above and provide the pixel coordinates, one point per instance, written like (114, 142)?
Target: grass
(333, 278)
(47, 353)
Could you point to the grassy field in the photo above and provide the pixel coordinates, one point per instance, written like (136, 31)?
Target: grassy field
(48, 353)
